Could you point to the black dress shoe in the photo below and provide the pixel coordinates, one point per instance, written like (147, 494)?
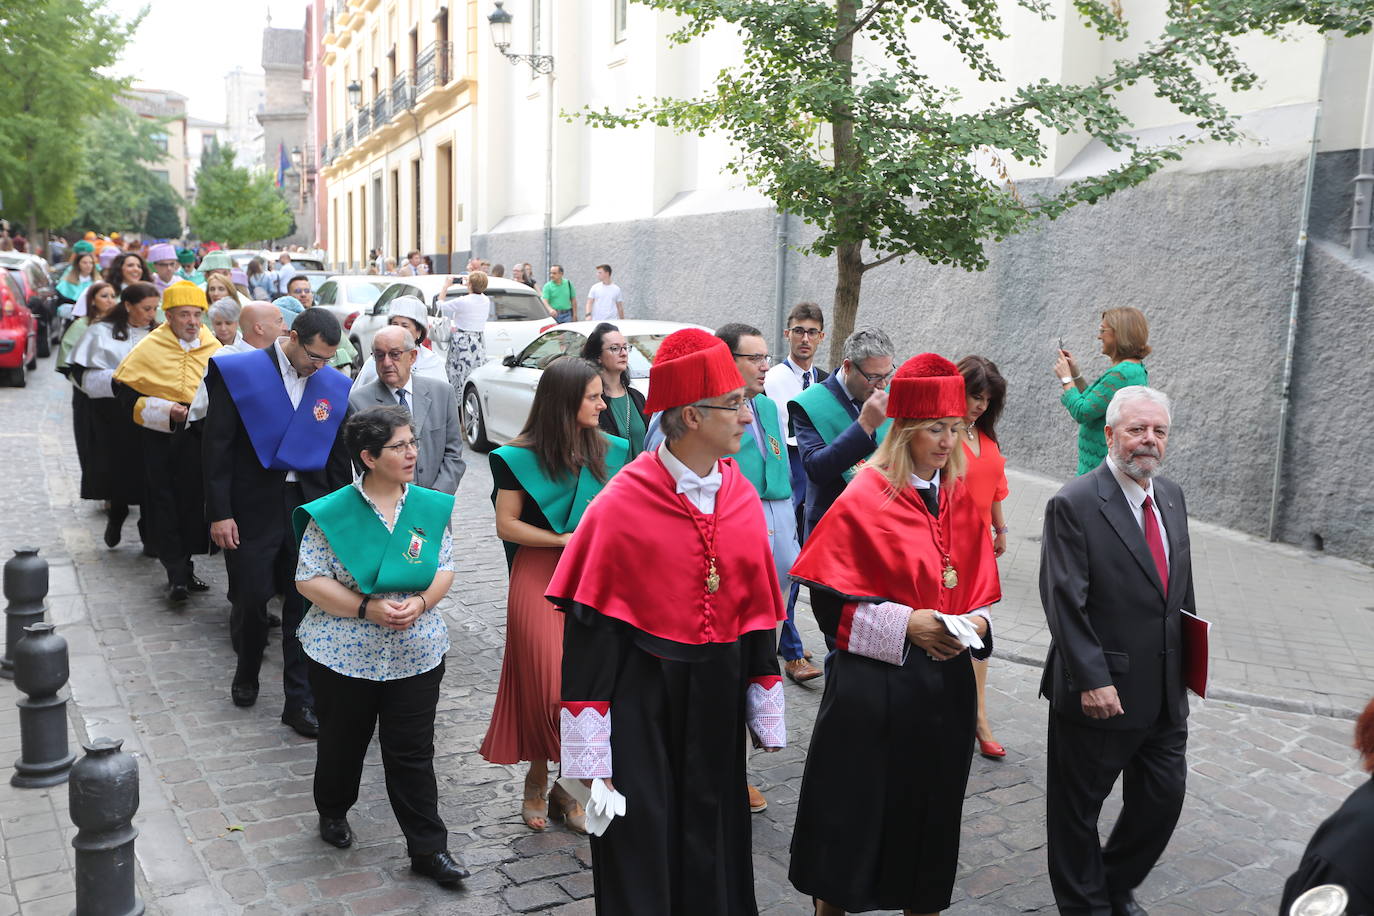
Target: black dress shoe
(1126, 906)
(336, 832)
(440, 866)
(114, 525)
(196, 584)
(303, 720)
(244, 694)
(273, 621)
(177, 593)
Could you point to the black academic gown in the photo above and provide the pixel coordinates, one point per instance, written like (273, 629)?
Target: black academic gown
(1341, 852)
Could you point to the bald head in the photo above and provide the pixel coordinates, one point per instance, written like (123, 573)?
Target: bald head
(394, 337)
(260, 323)
(393, 349)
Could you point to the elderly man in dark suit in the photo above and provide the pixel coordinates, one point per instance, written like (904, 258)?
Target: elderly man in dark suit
(432, 405)
(1115, 571)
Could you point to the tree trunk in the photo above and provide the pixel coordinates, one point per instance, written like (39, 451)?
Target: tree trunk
(848, 281)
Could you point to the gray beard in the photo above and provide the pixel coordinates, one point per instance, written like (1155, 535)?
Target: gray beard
(1135, 469)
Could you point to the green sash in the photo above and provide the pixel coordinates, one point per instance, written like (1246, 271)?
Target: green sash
(830, 419)
(562, 505)
(771, 476)
(408, 556)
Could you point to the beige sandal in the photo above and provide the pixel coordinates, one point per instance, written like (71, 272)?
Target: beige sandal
(566, 808)
(534, 810)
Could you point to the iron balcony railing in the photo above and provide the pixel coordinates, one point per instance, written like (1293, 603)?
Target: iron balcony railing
(434, 66)
(381, 109)
(401, 95)
(337, 144)
(364, 122)
(348, 135)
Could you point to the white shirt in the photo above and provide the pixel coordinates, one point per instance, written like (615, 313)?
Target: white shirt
(605, 299)
(409, 389)
(295, 386)
(700, 491)
(467, 313)
(1135, 498)
(783, 383)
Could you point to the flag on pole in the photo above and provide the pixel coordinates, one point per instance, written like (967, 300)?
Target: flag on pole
(282, 164)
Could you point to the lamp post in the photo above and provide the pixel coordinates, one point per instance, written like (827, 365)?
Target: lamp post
(500, 22)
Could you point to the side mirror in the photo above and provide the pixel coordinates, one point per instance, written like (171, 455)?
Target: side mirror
(509, 359)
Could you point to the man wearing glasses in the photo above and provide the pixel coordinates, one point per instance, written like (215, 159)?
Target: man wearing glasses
(270, 445)
(432, 405)
(840, 422)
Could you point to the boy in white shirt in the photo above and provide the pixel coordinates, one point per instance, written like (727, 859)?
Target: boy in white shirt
(605, 302)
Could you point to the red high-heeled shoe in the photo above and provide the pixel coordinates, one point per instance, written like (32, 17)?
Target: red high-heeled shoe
(991, 749)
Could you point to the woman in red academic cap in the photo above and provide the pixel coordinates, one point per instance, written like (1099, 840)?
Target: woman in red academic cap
(901, 572)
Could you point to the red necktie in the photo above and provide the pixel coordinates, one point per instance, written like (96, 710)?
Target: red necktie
(1155, 541)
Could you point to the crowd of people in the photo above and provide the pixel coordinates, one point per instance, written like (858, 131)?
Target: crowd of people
(656, 548)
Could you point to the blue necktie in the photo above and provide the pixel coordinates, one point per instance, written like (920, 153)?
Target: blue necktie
(401, 398)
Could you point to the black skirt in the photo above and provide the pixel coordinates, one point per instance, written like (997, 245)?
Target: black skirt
(114, 467)
(883, 793)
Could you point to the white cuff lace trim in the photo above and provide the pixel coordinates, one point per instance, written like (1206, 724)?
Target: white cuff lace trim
(586, 738)
(765, 711)
(878, 631)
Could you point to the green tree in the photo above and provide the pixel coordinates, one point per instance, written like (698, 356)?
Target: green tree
(162, 221)
(116, 188)
(880, 157)
(51, 57)
(235, 206)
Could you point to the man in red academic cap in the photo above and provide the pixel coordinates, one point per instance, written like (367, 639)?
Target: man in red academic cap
(676, 641)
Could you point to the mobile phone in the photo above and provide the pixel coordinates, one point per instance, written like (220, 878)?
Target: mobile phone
(1061, 343)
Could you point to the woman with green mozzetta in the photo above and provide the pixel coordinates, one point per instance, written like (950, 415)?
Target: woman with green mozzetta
(544, 481)
(375, 559)
(609, 351)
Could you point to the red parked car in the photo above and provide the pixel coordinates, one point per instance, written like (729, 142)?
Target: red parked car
(18, 332)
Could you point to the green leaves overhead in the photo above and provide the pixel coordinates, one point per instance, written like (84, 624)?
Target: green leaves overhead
(234, 205)
(116, 188)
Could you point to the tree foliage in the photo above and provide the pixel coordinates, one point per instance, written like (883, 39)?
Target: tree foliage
(162, 221)
(879, 155)
(234, 205)
(116, 189)
(51, 57)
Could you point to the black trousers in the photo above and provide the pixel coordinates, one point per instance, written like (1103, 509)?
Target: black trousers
(263, 566)
(402, 711)
(174, 500)
(1084, 764)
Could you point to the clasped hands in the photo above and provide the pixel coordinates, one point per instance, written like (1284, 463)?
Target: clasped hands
(395, 615)
(925, 631)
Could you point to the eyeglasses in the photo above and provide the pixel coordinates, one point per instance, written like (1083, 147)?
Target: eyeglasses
(406, 446)
(315, 358)
(393, 355)
(735, 408)
(618, 348)
(758, 359)
(878, 378)
(806, 332)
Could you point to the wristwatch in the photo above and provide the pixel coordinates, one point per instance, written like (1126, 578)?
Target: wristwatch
(362, 607)
(1066, 379)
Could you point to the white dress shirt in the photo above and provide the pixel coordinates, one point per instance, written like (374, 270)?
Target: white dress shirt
(700, 491)
(1135, 498)
(783, 383)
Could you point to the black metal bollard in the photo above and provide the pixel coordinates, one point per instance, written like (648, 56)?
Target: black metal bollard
(26, 585)
(40, 670)
(104, 799)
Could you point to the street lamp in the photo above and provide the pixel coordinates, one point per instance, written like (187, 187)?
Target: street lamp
(355, 94)
(500, 22)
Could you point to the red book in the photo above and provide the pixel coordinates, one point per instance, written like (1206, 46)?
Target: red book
(1195, 633)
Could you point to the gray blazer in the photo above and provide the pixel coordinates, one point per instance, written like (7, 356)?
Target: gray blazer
(438, 426)
(1110, 620)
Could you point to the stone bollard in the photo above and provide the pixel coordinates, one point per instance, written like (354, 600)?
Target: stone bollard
(40, 670)
(104, 799)
(26, 585)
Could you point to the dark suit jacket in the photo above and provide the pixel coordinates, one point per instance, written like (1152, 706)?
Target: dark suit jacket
(825, 464)
(434, 408)
(237, 486)
(1109, 620)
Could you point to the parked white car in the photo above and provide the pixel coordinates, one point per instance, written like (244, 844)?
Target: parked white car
(497, 397)
(349, 295)
(517, 313)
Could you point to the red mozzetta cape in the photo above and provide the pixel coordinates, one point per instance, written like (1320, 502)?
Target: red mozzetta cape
(639, 556)
(870, 546)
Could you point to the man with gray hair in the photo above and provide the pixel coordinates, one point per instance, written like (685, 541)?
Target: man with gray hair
(840, 422)
(1115, 576)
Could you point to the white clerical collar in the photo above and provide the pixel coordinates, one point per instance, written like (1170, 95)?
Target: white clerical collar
(1135, 494)
(700, 491)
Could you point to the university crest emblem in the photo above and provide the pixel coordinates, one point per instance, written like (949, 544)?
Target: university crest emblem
(417, 544)
(322, 409)
(776, 448)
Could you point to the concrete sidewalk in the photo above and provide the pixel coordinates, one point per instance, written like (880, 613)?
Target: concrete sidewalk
(1291, 629)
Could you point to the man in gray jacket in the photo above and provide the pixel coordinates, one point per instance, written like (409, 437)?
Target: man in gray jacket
(432, 405)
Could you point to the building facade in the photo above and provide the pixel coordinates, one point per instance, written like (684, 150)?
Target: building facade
(317, 133)
(285, 121)
(399, 83)
(169, 107)
(245, 98)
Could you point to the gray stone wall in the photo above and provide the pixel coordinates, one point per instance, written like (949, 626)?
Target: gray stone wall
(1208, 257)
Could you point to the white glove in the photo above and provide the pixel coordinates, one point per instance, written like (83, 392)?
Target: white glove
(603, 806)
(962, 629)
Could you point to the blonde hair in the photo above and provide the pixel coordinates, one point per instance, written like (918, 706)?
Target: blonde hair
(1131, 330)
(230, 290)
(477, 282)
(893, 457)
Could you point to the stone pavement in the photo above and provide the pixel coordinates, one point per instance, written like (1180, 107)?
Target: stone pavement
(227, 822)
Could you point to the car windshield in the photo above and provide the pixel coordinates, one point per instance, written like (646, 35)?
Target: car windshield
(364, 293)
(513, 305)
(642, 350)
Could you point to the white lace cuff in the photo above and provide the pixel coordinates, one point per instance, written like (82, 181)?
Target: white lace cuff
(154, 413)
(876, 631)
(98, 383)
(765, 711)
(586, 737)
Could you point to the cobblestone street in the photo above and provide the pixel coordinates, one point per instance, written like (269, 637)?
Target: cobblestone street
(228, 824)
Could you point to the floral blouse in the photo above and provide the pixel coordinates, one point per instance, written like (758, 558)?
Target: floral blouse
(355, 647)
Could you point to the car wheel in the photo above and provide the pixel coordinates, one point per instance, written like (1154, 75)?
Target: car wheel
(18, 378)
(474, 428)
(44, 339)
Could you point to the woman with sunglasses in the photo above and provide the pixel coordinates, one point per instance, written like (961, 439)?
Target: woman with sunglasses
(376, 557)
(608, 350)
(544, 480)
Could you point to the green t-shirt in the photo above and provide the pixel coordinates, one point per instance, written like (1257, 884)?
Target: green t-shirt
(559, 295)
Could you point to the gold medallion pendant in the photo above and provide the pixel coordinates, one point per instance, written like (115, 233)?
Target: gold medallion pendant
(949, 575)
(712, 579)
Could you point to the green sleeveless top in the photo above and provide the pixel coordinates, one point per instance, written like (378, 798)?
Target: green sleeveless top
(404, 559)
(830, 418)
(769, 472)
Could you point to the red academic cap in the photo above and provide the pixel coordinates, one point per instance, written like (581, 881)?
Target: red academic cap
(926, 387)
(691, 365)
